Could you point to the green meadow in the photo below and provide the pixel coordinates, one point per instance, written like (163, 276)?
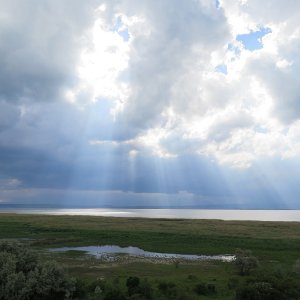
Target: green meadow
(276, 245)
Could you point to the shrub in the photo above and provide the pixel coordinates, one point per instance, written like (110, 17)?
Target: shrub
(168, 290)
(23, 276)
(205, 289)
(257, 291)
(296, 267)
(165, 286)
(269, 287)
(114, 294)
(132, 284)
(146, 289)
(232, 283)
(192, 277)
(245, 261)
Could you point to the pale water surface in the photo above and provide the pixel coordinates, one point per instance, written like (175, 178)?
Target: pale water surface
(222, 214)
(104, 251)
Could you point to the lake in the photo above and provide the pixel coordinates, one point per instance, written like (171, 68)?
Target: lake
(221, 214)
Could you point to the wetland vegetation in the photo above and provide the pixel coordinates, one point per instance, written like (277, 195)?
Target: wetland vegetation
(267, 264)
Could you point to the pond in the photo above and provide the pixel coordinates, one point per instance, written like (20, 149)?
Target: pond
(108, 250)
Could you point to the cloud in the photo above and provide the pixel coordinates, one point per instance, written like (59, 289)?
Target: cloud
(9, 115)
(128, 96)
(176, 38)
(277, 65)
(9, 183)
(40, 45)
(176, 90)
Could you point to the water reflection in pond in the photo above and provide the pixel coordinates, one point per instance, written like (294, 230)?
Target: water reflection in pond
(104, 251)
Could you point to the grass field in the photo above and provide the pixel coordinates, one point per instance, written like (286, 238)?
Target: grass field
(275, 244)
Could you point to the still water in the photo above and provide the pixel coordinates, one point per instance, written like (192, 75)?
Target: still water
(221, 214)
(103, 251)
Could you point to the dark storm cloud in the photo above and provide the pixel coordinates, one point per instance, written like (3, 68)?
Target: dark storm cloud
(202, 184)
(9, 115)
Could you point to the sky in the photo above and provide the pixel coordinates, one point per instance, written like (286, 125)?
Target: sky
(128, 103)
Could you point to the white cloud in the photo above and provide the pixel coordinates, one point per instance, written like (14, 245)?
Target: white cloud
(101, 66)
(239, 117)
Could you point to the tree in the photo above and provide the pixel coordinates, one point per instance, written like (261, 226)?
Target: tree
(23, 276)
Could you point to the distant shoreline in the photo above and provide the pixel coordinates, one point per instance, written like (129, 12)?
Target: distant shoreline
(38, 206)
(163, 213)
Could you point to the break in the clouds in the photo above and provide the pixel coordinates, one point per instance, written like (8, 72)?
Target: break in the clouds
(150, 103)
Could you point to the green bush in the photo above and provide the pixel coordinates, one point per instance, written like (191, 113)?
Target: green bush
(232, 283)
(23, 276)
(205, 288)
(296, 267)
(132, 284)
(146, 289)
(269, 287)
(114, 294)
(245, 261)
(168, 290)
(257, 291)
